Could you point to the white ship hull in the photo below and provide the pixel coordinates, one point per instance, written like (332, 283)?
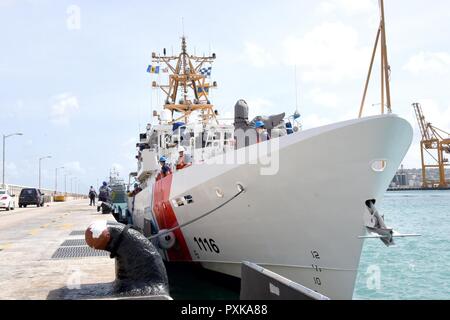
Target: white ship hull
(302, 222)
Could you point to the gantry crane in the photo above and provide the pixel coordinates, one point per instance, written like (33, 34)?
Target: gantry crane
(433, 141)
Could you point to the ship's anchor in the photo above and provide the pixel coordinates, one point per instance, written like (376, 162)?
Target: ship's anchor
(166, 238)
(376, 225)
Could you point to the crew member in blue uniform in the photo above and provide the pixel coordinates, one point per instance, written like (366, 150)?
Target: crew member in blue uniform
(261, 132)
(165, 169)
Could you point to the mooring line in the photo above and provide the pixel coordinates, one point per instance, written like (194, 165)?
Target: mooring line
(198, 218)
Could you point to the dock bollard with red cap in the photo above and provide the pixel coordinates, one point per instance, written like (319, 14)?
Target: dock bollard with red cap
(140, 270)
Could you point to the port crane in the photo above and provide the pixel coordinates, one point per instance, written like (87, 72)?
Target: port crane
(435, 142)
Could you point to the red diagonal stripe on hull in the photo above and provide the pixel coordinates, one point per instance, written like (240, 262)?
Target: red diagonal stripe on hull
(166, 219)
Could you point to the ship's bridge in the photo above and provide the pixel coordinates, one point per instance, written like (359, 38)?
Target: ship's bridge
(200, 142)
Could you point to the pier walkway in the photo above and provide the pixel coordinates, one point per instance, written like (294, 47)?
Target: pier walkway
(43, 254)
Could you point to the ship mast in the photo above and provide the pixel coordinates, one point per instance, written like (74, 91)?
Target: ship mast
(187, 91)
(385, 67)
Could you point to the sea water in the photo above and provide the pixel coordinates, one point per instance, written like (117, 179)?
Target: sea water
(416, 268)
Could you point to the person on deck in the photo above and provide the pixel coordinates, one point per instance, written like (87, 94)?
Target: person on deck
(183, 160)
(261, 132)
(165, 169)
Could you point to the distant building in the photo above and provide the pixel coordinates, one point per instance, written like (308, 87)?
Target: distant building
(401, 179)
(412, 178)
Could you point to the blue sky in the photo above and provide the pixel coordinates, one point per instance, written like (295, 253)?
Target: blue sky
(82, 94)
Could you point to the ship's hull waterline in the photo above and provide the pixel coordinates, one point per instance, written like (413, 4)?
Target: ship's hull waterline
(302, 220)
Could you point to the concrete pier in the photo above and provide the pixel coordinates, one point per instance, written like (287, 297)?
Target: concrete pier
(43, 254)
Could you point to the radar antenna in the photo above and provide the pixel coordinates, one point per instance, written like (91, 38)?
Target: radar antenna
(187, 90)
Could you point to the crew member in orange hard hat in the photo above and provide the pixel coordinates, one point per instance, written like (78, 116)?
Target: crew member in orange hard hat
(182, 162)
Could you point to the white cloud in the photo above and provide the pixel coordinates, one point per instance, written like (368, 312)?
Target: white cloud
(11, 170)
(313, 121)
(131, 142)
(436, 114)
(64, 107)
(18, 110)
(328, 53)
(321, 98)
(258, 56)
(73, 168)
(20, 104)
(258, 107)
(7, 3)
(350, 7)
(10, 3)
(429, 62)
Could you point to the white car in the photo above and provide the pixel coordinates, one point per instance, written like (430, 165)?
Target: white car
(6, 200)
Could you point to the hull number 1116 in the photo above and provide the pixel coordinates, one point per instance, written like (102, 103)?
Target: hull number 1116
(207, 245)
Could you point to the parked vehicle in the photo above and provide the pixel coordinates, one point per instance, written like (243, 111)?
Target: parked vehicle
(6, 200)
(31, 196)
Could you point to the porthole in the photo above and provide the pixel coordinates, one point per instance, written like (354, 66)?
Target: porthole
(379, 165)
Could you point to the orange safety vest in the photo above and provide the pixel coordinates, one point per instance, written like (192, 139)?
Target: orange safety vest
(180, 163)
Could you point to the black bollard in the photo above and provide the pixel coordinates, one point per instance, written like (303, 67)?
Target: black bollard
(140, 270)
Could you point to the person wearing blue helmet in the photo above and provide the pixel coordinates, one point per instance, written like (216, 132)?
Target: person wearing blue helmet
(165, 169)
(259, 124)
(104, 192)
(261, 132)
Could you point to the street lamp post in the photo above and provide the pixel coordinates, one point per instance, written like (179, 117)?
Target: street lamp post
(56, 179)
(40, 159)
(65, 183)
(75, 187)
(4, 151)
(71, 184)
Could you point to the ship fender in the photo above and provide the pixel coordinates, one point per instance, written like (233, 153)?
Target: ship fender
(166, 239)
(140, 270)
